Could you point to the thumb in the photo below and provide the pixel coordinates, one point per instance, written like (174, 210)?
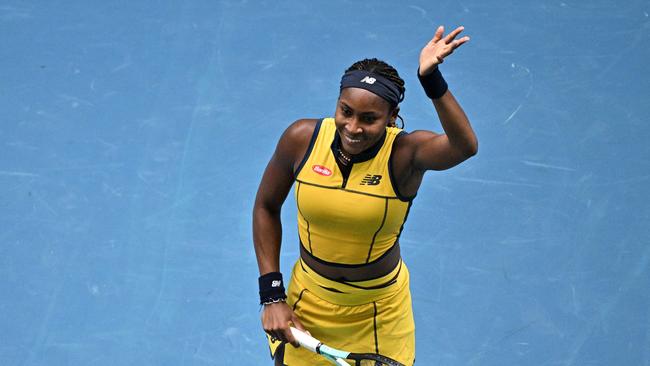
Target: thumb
(296, 322)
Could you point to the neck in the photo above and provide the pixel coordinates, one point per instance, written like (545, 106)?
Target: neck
(343, 157)
(365, 155)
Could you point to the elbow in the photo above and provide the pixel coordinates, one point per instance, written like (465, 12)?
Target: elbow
(265, 208)
(470, 149)
(473, 149)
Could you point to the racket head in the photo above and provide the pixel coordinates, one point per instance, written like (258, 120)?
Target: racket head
(372, 359)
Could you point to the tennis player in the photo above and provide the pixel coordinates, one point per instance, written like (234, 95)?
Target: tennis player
(355, 178)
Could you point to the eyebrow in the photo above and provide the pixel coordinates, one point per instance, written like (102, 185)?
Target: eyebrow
(368, 113)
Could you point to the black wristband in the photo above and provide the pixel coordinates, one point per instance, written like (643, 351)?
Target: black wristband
(271, 288)
(434, 84)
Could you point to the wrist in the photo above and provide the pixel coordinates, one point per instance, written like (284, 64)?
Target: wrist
(272, 302)
(429, 70)
(433, 83)
(271, 288)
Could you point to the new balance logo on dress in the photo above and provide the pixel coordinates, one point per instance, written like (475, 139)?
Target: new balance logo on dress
(368, 80)
(370, 180)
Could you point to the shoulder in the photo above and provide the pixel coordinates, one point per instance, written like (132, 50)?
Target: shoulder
(294, 142)
(300, 130)
(408, 141)
(297, 136)
(416, 136)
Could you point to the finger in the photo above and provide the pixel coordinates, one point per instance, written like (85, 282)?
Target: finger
(281, 336)
(281, 332)
(438, 35)
(457, 43)
(450, 37)
(298, 325)
(276, 334)
(291, 339)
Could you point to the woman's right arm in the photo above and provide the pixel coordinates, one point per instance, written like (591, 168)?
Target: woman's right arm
(267, 228)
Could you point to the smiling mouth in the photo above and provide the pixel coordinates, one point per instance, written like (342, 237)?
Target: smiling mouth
(351, 140)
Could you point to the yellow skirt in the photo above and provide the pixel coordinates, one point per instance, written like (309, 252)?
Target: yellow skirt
(360, 317)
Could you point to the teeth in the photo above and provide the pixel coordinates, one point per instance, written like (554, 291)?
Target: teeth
(352, 140)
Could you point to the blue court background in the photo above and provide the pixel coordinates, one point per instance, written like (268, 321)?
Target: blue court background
(133, 136)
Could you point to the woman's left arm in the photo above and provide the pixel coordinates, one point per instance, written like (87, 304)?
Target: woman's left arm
(433, 151)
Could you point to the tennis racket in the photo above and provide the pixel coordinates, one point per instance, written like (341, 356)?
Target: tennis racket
(338, 357)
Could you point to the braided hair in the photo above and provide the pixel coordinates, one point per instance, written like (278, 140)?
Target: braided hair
(380, 67)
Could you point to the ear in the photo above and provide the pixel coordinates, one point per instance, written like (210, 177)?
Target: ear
(393, 117)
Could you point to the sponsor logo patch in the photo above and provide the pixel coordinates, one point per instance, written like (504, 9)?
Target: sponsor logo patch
(319, 169)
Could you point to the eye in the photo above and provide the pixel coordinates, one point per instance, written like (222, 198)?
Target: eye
(368, 118)
(347, 112)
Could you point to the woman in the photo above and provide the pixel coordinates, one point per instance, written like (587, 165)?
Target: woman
(356, 176)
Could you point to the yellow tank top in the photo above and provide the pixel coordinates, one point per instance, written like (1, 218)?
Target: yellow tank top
(353, 220)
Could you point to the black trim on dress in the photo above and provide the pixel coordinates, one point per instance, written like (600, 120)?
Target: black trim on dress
(314, 136)
(303, 216)
(393, 180)
(374, 324)
(374, 237)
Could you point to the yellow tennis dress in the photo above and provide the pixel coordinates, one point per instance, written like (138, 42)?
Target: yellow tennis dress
(350, 288)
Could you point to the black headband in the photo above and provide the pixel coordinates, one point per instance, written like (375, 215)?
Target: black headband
(374, 83)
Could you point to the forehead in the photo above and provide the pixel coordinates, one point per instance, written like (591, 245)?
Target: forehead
(363, 100)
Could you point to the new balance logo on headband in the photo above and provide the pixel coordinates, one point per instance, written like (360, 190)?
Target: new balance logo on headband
(368, 80)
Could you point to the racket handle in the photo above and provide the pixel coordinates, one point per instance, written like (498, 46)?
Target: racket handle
(305, 340)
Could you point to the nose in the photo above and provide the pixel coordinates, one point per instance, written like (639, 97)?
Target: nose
(353, 127)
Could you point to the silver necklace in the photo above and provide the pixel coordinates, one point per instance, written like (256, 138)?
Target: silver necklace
(344, 158)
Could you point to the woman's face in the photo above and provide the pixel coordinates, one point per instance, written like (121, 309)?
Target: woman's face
(361, 119)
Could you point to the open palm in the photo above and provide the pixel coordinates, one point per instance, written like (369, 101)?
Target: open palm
(440, 47)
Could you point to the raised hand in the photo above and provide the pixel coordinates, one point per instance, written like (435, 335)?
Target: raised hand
(440, 47)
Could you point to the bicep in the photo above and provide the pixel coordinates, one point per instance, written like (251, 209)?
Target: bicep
(276, 183)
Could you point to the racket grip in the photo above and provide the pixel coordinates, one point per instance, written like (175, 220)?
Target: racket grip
(305, 340)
